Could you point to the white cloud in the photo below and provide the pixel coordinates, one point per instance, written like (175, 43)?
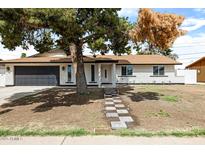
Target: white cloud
(128, 12)
(191, 24)
(7, 54)
(189, 48)
(187, 40)
(202, 10)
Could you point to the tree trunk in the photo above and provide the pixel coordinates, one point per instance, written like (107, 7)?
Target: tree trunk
(77, 59)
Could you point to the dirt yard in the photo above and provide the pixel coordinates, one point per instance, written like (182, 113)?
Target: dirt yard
(153, 107)
(165, 107)
(57, 108)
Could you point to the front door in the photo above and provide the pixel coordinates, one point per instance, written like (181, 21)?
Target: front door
(106, 74)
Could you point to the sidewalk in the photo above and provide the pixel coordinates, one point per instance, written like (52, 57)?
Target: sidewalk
(100, 140)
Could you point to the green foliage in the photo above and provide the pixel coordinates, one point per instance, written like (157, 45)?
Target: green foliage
(161, 113)
(101, 30)
(169, 53)
(120, 36)
(149, 49)
(26, 132)
(23, 55)
(123, 132)
(171, 99)
(46, 42)
(177, 133)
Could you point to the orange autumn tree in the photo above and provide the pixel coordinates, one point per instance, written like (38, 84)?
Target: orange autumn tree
(159, 30)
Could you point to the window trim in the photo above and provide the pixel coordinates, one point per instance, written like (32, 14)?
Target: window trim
(105, 73)
(158, 72)
(70, 73)
(122, 71)
(126, 70)
(127, 73)
(92, 71)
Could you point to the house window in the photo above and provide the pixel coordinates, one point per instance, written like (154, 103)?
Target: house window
(127, 70)
(158, 70)
(123, 70)
(2, 70)
(105, 73)
(92, 73)
(69, 73)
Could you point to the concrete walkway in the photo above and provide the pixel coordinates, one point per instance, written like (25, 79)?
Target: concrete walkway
(8, 94)
(115, 110)
(100, 140)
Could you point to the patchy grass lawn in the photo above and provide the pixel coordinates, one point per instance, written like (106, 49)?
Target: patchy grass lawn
(161, 113)
(83, 132)
(165, 107)
(27, 132)
(55, 109)
(171, 99)
(177, 133)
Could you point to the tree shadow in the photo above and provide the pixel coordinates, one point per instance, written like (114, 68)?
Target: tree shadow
(19, 95)
(139, 96)
(5, 111)
(56, 97)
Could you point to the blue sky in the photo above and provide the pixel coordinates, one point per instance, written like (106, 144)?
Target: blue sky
(189, 47)
(197, 16)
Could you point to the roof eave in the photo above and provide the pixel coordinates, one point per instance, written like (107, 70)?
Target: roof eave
(150, 64)
(12, 62)
(100, 61)
(190, 65)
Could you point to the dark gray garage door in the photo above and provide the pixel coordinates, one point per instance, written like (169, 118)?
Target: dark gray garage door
(36, 75)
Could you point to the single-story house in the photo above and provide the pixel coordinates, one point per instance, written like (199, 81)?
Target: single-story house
(55, 68)
(198, 65)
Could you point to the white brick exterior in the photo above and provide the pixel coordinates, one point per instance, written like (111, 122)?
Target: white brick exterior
(144, 74)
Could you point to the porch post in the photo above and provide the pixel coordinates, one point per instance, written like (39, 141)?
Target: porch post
(114, 75)
(99, 75)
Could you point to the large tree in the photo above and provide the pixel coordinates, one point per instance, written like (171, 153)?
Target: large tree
(144, 49)
(156, 31)
(101, 30)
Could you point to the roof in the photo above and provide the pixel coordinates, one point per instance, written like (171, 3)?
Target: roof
(192, 64)
(51, 53)
(142, 59)
(125, 59)
(68, 59)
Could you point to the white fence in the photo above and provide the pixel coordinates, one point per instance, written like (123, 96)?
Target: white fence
(190, 76)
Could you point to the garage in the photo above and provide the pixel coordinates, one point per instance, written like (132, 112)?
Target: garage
(36, 75)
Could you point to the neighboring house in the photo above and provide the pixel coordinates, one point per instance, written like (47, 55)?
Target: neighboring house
(198, 65)
(55, 68)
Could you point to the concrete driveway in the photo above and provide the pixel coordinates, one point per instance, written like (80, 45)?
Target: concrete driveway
(8, 94)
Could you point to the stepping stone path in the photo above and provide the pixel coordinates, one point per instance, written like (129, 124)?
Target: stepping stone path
(116, 111)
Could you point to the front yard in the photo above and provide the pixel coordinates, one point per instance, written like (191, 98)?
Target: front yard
(153, 108)
(166, 107)
(55, 109)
